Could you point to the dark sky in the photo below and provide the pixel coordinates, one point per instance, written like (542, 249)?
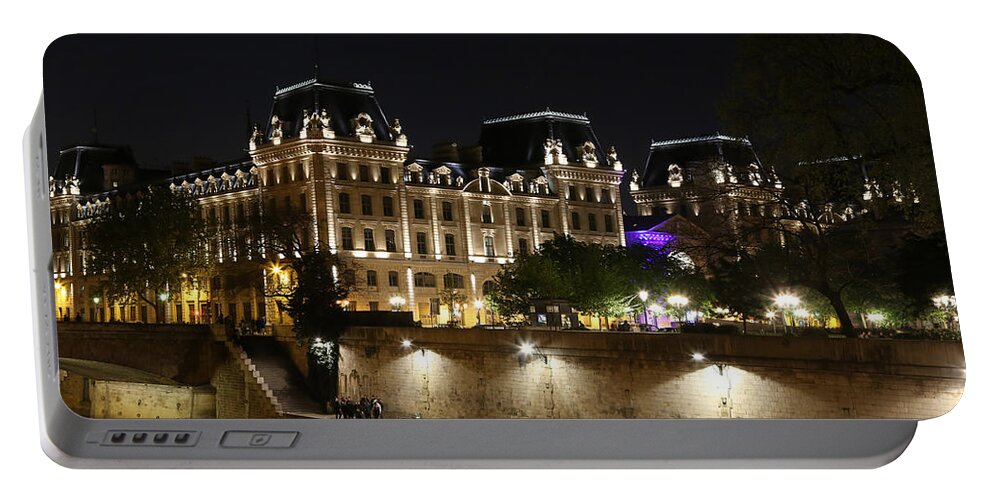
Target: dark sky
(175, 97)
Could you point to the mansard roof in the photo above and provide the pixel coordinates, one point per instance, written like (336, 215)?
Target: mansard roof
(342, 100)
(85, 162)
(692, 152)
(517, 141)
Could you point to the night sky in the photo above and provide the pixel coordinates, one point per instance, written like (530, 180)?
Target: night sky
(172, 98)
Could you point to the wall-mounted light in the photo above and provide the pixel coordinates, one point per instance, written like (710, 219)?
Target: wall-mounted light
(527, 349)
(406, 343)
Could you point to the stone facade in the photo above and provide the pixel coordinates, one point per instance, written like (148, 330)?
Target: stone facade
(407, 227)
(459, 374)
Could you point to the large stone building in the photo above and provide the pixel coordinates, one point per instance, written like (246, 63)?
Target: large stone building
(408, 227)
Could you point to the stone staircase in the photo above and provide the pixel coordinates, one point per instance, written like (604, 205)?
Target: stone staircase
(279, 377)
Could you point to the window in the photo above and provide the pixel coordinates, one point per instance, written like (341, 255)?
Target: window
(449, 244)
(589, 195)
(446, 211)
(422, 243)
(608, 223)
(522, 246)
(487, 214)
(346, 238)
(575, 221)
(488, 246)
(370, 239)
(605, 196)
(484, 184)
(227, 215)
(374, 305)
(212, 215)
(418, 209)
(519, 215)
(572, 193)
(342, 170)
(488, 287)
(453, 280)
(287, 204)
(366, 204)
(344, 203)
(425, 280)
(364, 173)
(387, 206)
(546, 219)
(591, 218)
(393, 278)
(384, 175)
(370, 278)
(241, 213)
(303, 203)
(391, 240)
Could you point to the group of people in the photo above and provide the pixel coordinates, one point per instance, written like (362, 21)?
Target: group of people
(623, 326)
(346, 407)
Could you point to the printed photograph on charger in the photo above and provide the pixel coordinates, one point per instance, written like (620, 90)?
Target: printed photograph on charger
(456, 226)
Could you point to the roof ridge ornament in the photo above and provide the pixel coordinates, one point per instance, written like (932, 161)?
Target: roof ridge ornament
(277, 130)
(547, 113)
(701, 138)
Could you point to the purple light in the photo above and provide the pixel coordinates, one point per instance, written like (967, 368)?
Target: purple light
(649, 238)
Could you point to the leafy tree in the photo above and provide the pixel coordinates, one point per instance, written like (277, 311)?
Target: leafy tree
(598, 280)
(309, 283)
(835, 113)
(739, 289)
(453, 298)
(146, 245)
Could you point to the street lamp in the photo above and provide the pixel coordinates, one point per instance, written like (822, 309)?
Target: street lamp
(678, 302)
(656, 312)
(643, 295)
(479, 307)
(787, 302)
(397, 302)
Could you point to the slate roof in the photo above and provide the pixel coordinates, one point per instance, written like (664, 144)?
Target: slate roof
(342, 100)
(692, 153)
(85, 162)
(518, 141)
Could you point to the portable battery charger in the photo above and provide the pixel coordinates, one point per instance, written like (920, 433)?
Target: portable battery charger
(519, 294)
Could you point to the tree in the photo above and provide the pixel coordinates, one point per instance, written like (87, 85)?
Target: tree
(843, 117)
(454, 299)
(739, 289)
(146, 245)
(598, 280)
(309, 283)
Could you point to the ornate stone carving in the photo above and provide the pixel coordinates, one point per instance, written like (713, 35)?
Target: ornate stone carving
(675, 175)
(255, 139)
(277, 129)
(73, 185)
(554, 153)
(589, 153)
(614, 160)
(634, 181)
(397, 130)
(362, 127)
(729, 171)
(754, 176)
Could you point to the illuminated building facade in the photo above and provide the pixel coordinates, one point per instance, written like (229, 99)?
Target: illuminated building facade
(408, 227)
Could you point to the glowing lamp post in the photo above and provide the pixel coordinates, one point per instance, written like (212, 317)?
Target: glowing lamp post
(479, 308)
(678, 302)
(656, 312)
(787, 302)
(397, 302)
